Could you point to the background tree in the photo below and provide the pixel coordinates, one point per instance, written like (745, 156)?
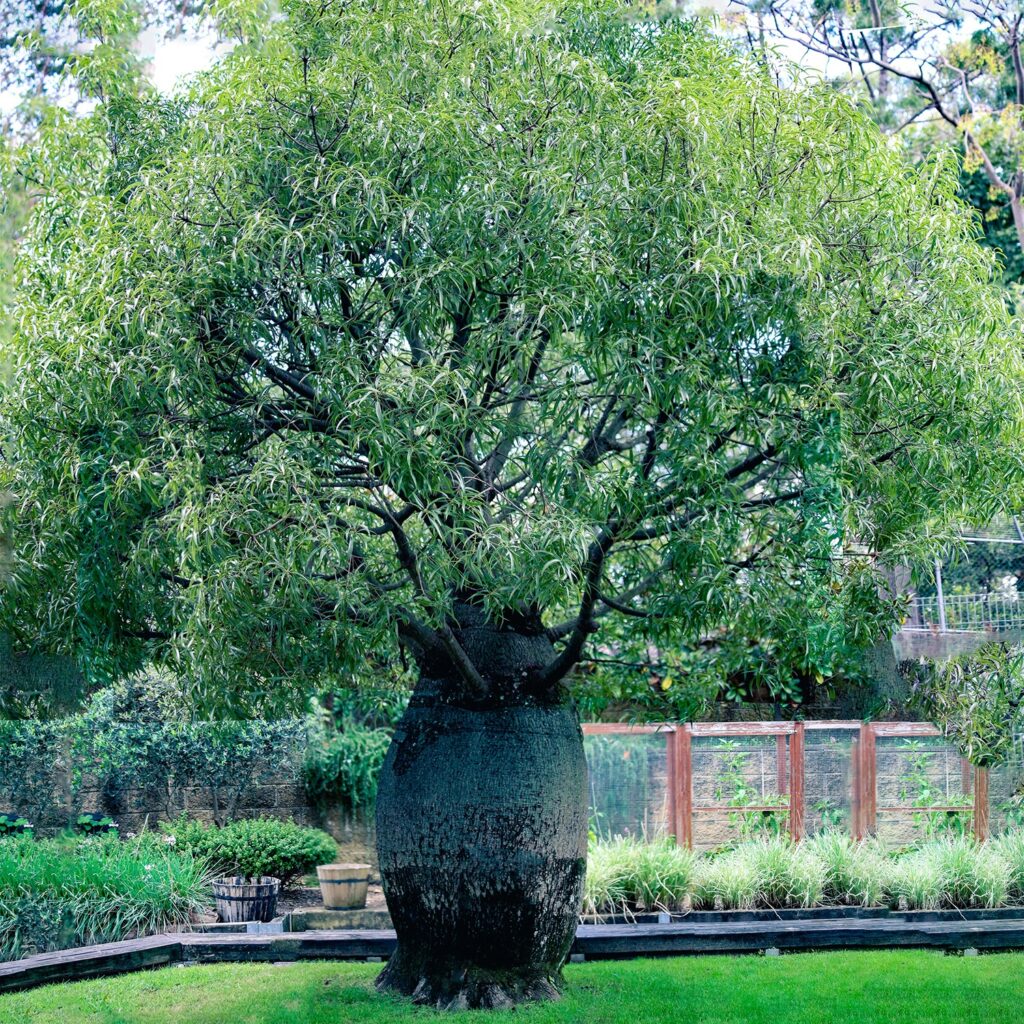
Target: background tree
(466, 331)
(921, 67)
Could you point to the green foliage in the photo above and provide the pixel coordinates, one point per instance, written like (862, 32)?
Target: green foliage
(830, 869)
(625, 875)
(90, 824)
(728, 882)
(135, 735)
(254, 847)
(30, 768)
(14, 825)
(408, 301)
(977, 699)
(732, 784)
(949, 874)
(854, 872)
(918, 787)
(59, 893)
(342, 769)
(1010, 847)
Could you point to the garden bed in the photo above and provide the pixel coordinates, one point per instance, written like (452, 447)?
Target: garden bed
(810, 914)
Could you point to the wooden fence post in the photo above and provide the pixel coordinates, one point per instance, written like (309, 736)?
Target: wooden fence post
(796, 782)
(981, 804)
(684, 793)
(867, 797)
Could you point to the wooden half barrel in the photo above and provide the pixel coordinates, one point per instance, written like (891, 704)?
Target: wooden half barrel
(246, 899)
(343, 886)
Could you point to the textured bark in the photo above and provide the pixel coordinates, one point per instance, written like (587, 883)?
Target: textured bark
(481, 832)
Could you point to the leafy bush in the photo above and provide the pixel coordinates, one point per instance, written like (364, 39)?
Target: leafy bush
(254, 847)
(626, 874)
(75, 891)
(134, 735)
(14, 825)
(854, 872)
(344, 768)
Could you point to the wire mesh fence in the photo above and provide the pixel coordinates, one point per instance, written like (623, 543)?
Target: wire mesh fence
(711, 785)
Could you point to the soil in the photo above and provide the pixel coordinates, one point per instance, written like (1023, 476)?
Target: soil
(304, 897)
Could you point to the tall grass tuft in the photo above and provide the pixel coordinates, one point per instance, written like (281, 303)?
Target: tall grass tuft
(728, 882)
(772, 872)
(1011, 848)
(59, 893)
(854, 872)
(625, 875)
(954, 873)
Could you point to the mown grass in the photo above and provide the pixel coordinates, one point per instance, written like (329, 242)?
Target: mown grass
(826, 988)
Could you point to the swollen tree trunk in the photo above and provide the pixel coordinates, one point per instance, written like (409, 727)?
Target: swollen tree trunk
(482, 831)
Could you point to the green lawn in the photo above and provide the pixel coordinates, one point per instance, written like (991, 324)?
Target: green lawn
(887, 988)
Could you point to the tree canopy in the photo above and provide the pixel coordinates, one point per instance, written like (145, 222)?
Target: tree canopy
(561, 311)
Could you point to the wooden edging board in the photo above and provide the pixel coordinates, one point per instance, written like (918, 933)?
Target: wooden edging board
(593, 942)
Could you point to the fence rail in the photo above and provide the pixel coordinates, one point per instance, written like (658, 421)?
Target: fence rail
(965, 613)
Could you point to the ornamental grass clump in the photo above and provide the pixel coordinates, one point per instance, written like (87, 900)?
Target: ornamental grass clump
(766, 873)
(854, 871)
(951, 874)
(727, 882)
(65, 892)
(788, 874)
(1010, 847)
(625, 875)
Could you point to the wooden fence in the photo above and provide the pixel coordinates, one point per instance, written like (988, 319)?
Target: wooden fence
(866, 801)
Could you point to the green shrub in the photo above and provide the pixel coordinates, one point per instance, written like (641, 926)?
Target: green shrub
(854, 872)
(14, 825)
(254, 847)
(343, 769)
(625, 875)
(76, 891)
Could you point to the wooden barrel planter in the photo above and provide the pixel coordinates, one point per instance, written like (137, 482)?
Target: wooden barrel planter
(246, 899)
(343, 886)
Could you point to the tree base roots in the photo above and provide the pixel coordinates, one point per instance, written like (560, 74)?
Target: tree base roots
(467, 988)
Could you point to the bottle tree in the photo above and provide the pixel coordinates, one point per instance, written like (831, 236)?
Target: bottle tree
(497, 334)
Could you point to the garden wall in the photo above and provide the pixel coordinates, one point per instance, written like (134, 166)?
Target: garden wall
(37, 781)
